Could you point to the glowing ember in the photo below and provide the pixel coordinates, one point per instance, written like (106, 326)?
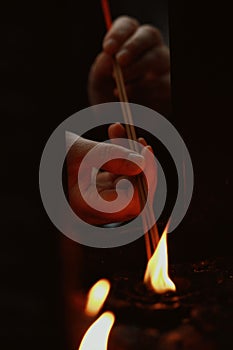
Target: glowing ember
(96, 337)
(156, 275)
(96, 297)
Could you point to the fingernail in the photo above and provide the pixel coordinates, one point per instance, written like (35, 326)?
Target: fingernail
(122, 56)
(142, 141)
(110, 45)
(137, 158)
(150, 148)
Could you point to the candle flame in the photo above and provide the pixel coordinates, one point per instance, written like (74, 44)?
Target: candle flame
(96, 337)
(156, 275)
(96, 297)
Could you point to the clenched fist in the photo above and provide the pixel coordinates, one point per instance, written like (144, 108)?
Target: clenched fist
(145, 62)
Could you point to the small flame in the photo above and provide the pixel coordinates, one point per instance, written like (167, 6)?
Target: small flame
(156, 275)
(96, 337)
(96, 297)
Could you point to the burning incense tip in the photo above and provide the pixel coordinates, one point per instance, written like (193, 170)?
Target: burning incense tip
(107, 13)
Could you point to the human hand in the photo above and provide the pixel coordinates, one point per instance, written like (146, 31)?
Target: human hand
(111, 173)
(145, 62)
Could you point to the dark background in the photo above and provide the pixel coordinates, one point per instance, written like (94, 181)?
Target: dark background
(47, 49)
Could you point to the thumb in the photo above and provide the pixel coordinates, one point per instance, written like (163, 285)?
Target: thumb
(110, 157)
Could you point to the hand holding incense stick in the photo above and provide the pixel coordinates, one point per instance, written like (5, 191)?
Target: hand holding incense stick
(151, 235)
(144, 60)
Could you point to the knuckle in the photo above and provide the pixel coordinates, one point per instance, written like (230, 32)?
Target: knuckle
(163, 58)
(128, 21)
(152, 32)
(123, 27)
(133, 45)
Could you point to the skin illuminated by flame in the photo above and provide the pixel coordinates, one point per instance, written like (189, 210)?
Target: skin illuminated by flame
(156, 275)
(96, 297)
(96, 337)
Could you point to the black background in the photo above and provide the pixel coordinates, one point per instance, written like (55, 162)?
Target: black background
(46, 51)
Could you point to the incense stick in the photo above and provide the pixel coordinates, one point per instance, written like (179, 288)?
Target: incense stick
(151, 235)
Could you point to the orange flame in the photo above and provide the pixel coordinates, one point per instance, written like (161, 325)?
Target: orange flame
(156, 275)
(96, 337)
(96, 297)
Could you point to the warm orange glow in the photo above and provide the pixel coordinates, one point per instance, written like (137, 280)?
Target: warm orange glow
(156, 275)
(96, 337)
(96, 297)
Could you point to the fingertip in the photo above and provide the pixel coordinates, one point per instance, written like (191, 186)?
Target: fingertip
(142, 141)
(150, 148)
(122, 28)
(145, 149)
(116, 130)
(123, 57)
(110, 46)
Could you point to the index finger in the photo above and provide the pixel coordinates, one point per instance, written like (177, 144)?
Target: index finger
(121, 30)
